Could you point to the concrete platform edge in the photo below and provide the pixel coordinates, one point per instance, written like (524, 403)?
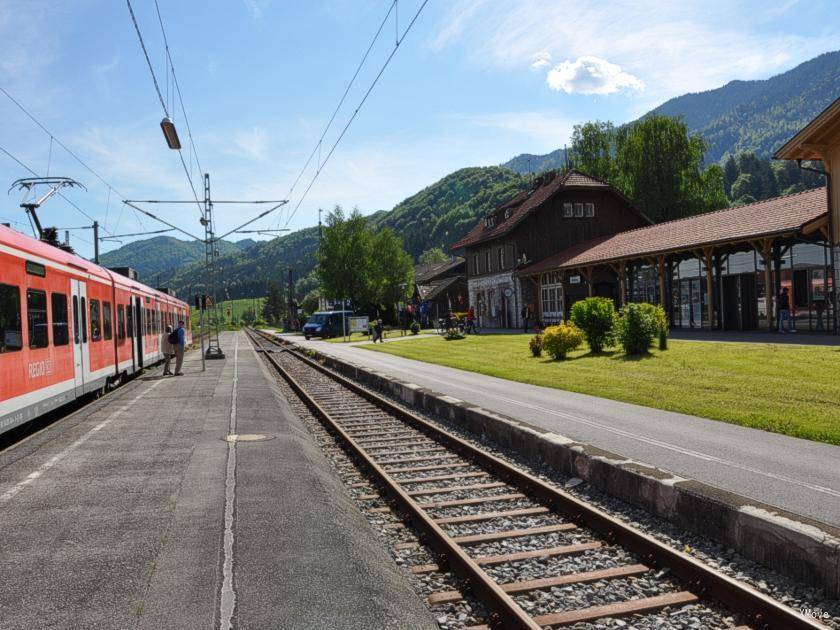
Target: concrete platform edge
(793, 545)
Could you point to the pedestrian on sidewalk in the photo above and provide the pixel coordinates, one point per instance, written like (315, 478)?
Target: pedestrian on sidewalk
(168, 349)
(784, 311)
(378, 329)
(180, 347)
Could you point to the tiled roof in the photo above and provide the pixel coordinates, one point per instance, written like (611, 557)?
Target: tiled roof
(764, 218)
(432, 290)
(522, 204)
(423, 274)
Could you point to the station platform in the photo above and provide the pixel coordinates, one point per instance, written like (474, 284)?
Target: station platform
(797, 475)
(135, 511)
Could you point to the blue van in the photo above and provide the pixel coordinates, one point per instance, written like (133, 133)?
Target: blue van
(326, 324)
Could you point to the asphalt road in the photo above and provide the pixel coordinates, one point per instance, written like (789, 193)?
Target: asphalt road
(136, 512)
(794, 474)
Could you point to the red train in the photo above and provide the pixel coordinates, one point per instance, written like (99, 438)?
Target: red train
(69, 327)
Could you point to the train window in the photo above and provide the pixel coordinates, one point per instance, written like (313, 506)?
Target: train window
(75, 319)
(129, 326)
(36, 314)
(106, 321)
(95, 321)
(148, 321)
(120, 322)
(61, 332)
(11, 333)
(83, 311)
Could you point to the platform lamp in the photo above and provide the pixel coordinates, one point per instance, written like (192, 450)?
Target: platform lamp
(170, 133)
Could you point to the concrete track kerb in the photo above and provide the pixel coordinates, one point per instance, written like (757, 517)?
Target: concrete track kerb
(791, 544)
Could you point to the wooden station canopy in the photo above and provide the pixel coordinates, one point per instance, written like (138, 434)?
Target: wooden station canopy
(820, 140)
(757, 225)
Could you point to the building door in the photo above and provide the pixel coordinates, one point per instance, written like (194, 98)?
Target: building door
(731, 303)
(749, 301)
(81, 350)
(140, 328)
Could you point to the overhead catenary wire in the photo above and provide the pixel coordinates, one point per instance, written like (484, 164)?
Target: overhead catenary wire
(356, 111)
(160, 95)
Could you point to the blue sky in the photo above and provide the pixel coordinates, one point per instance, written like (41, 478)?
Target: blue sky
(474, 83)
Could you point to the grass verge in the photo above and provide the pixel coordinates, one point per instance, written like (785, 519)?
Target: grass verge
(781, 388)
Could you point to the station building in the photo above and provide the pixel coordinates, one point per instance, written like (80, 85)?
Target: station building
(571, 236)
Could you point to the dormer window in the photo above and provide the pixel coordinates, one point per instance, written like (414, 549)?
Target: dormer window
(489, 222)
(507, 213)
(567, 209)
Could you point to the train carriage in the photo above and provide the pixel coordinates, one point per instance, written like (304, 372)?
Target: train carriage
(69, 327)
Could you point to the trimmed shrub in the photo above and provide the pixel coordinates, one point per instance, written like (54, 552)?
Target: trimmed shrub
(536, 345)
(562, 339)
(415, 327)
(595, 316)
(636, 328)
(661, 318)
(453, 334)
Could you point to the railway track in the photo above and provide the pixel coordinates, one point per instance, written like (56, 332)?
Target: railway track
(447, 486)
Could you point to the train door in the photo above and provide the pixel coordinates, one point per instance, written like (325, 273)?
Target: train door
(81, 350)
(140, 325)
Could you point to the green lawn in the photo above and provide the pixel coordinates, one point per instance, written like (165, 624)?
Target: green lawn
(787, 389)
(233, 310)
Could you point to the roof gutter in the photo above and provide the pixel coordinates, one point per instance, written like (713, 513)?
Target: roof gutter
(828, 183)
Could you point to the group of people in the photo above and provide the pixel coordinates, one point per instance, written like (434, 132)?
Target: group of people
(174, 343)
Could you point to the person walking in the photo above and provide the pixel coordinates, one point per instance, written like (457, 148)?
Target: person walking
(378, 329)
(180, 347)
(168, 350)
(526, 313)
(784, 311)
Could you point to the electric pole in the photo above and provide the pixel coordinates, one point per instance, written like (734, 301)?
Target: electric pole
(96, 242)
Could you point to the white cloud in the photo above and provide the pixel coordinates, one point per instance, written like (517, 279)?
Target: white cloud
(540, 60)
(256, 7)
(251, 144)
(107, 67)
(543, 131)
(675, 47)
(591, 75)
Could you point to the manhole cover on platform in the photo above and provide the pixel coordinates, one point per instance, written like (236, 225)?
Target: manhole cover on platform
(247, 437)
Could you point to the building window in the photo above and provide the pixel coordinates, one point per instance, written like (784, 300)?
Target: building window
(507, 213)
(578, 209)
(11, 335)
(95, 321)
(551, 285)
(487, 260)
(567, 209)
(60, 320)
(501, 258)
(475, 264)
(106, 320)
(589, 209)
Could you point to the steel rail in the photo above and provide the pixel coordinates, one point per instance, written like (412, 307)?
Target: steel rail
(506, 611)
(762, 611)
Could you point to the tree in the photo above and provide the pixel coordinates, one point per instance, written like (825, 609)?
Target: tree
(274, 306)
(392, 268)
(730, 172)
(307, 283)
(345, 258)
(660, 166)
(433, 255)
(743, 186)
(310, 302)
(593, 149)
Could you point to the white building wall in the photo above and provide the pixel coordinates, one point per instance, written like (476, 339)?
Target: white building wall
(490, 315)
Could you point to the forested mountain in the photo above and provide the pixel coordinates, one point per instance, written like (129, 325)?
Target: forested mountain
(440, 214)
(163, 254)
(526, 163)
(740, 116)
(758, 116)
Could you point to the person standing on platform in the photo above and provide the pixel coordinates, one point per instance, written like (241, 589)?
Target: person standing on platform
(168, 350)
(180, 347)
(784, 311)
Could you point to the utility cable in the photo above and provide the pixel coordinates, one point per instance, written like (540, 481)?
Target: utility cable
(356, 111)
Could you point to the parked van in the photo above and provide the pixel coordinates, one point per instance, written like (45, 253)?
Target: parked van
(326, 324)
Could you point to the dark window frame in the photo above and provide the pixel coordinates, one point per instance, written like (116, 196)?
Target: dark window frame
(120, 322)
(95, 322)
(60, 327)
(40, 328)
(7, 333)
(107, 321)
